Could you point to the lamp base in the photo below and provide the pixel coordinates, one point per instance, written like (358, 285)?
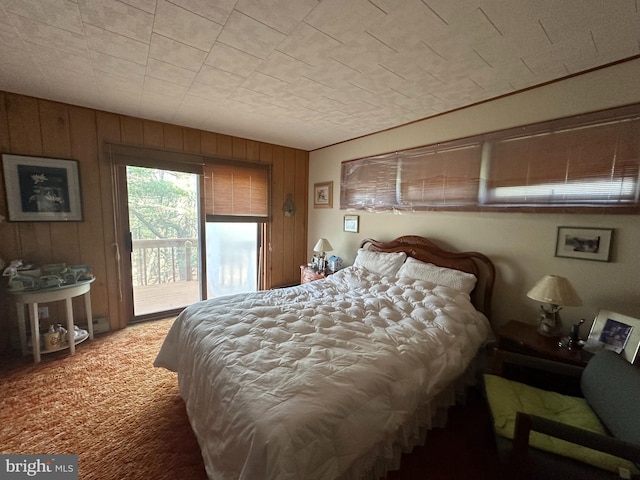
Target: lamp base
(548, 330)
(549, 322)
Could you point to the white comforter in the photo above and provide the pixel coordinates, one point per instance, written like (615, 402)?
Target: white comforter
(298, 383)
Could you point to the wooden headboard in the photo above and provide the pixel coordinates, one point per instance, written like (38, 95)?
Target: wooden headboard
(425, 250)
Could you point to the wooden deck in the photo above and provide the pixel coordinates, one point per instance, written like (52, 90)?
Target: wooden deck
(165, 296)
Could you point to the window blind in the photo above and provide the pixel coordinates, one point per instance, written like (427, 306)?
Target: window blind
(441, 176)
(413, 179)
(369, 183)
(576, 163)
(236, 189)
(595, 164)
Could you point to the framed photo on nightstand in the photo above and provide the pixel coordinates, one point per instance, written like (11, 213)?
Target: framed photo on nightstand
(613, 331)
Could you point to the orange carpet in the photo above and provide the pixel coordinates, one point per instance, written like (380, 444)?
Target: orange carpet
(107, 403)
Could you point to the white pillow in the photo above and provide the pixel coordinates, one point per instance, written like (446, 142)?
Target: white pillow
(448, 277)
(382, 263)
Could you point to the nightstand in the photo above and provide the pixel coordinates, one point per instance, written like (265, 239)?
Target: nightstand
(523, 338)
(308, 274)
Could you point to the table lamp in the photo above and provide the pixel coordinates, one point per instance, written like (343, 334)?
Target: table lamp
(556, 292)
(322, 246)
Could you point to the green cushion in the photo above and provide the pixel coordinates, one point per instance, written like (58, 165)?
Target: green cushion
(506, 398)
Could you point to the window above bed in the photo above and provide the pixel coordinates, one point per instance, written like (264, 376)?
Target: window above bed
(577, 164)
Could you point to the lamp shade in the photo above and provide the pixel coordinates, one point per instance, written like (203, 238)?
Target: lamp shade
(322, 245)
(555, 290)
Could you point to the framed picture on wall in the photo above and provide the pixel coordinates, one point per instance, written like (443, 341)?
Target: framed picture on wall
(323, 195)
(42, 189)
(351, 223)
(584, 243)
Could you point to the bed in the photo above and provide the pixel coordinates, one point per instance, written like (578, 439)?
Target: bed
(335, 378)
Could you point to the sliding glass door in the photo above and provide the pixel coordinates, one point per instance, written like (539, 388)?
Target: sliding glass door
(163, 225)
(187, 229)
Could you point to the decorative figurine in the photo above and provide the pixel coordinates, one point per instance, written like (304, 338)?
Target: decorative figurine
(12, 269)
(51, 338)
(335, 263)
(64, 339)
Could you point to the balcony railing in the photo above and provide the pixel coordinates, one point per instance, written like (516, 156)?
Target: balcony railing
(164, 274)
(164, 260)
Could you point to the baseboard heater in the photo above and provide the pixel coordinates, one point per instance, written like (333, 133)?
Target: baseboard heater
(100, 325)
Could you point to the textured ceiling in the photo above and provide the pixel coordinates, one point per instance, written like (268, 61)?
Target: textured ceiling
(302, 73)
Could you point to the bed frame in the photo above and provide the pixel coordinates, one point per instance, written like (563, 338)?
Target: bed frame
(425, 250)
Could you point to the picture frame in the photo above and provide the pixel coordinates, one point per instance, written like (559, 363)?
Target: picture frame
(617, 332)
(351, 223)
(41, 189)
(323, 195)
(584, 243)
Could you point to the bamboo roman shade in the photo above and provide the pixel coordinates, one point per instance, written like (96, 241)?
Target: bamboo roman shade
(236, 189)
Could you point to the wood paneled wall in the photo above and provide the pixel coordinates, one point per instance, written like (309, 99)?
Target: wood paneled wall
(37, 127)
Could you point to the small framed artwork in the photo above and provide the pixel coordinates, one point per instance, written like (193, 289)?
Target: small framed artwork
(613, 331)
(42, 189)
(351, 223)
(323, 195)
(584, 243)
